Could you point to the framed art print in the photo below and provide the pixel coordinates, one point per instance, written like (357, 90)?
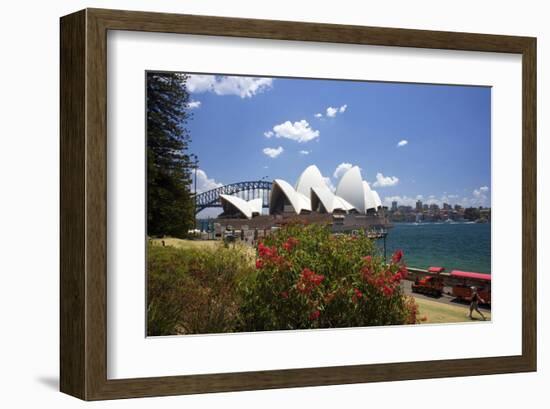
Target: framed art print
(253, 204)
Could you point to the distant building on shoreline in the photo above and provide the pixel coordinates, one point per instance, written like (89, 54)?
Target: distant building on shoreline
(424, 212)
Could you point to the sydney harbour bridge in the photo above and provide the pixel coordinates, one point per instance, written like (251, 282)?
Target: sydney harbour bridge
(245, 190)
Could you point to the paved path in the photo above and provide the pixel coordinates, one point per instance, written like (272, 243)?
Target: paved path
(445, 298)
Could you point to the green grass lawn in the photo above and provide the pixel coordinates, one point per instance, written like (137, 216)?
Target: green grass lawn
(437, 313)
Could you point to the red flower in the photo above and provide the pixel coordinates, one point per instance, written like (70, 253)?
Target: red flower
(397, 256)
(356, 295)
(269, 254)
(259, 263)
(308, 281)
(388, 291)
(284, 294)
(306, 272)
(290, 243)
(318, 279)
(314, 315)
(367, 270)
(264, 251)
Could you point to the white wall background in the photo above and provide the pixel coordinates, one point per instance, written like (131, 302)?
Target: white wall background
(29, 202)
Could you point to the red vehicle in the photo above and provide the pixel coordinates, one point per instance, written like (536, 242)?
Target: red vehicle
(463, 290)
(431, 285)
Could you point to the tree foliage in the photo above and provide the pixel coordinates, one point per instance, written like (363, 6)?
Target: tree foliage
(170, 209)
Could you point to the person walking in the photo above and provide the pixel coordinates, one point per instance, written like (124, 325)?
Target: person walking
(475, 299)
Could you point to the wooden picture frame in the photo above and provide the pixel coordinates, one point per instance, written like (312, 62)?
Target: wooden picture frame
(83, 209)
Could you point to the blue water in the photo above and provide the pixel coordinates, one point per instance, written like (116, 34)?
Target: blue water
(455, 246)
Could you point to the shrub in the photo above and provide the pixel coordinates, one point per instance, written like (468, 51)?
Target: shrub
(193, 290)
(306, 277)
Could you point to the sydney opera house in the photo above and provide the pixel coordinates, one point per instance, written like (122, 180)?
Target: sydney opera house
(353, 202)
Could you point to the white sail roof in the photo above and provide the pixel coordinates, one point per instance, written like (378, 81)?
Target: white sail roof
(376, 198)
(329, 200)
(324, 196)
(310, 177)
(248, 209)
(370, 201)
(340, 203)
(350, 188)
(311, 192)
(256, 205)
(297, 200)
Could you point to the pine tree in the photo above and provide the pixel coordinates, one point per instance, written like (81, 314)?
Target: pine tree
(170, 206)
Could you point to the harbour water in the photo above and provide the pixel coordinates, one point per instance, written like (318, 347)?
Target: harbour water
(455, 246)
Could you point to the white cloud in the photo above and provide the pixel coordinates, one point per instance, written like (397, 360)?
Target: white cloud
(273, 152)
(332, 111)
(305, 152)
(268, 134)
(480, 196)
(341, 169)
(200, 83)
(385, 181)
(204, 183)
(402, 142)
(244, 87)
(298, 131)
(193, 104)
(318, 115)
(401, 200)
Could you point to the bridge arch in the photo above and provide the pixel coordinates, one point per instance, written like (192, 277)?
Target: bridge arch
(249, 189)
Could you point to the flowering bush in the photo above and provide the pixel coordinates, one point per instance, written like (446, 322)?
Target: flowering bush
(306, 277)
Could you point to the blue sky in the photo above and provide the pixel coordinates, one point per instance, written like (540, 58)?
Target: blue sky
(411, 141)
